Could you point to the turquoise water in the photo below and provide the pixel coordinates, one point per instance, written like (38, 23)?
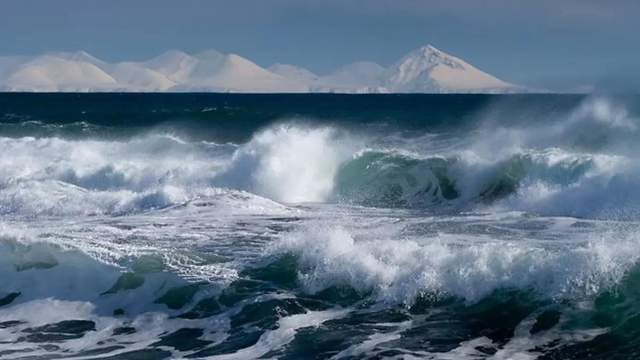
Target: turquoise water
(140, 226)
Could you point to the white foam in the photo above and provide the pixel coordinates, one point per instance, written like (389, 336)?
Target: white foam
(54, 176)
(398, 269)
(296, 163)
(290, 163)
(582, 165)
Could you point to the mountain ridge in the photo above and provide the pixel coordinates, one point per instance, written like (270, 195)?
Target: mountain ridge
(423, 70)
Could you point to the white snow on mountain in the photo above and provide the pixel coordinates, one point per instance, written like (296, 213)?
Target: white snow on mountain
(424, 70)
(175, 65)
(81, 56)
(53, 73)
(213, 71)
(135, 77)
(430, 70)
(294, 73)
(237, 74)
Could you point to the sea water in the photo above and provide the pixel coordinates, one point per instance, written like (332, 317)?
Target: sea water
(141, 226)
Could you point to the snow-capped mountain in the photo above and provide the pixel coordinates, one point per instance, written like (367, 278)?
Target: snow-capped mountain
(136, 77)
(175, 65)
(237, 74)
(50, 72)
(430, 70)
(424, 70)
(293, 72)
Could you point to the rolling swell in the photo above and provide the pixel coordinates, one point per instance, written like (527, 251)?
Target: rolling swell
(294, 163)
(391, 179)
(387, 179)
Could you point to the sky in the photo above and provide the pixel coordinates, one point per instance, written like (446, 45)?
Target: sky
(555, 44)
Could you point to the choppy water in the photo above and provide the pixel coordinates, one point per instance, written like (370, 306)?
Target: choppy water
(319, 226)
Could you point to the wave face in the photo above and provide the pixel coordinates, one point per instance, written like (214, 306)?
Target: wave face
(288, 226)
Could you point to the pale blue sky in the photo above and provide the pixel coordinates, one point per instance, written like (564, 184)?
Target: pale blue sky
(551, 43)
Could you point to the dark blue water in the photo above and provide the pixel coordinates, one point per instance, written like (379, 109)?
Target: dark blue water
(226, 117)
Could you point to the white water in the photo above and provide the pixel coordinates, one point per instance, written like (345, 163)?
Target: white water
(91, 207)
(399, 267)
(584, 165)
(290, 163)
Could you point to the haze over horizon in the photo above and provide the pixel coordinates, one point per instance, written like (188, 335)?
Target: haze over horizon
(556, 46)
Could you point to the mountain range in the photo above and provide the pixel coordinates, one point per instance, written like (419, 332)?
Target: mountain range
(424, 70)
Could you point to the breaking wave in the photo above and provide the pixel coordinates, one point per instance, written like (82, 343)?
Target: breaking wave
(552, 181)
(588, 158)
(503, 241)
(397, 268)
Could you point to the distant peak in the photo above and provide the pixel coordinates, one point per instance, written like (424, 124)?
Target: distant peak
(429, 49)
(80, 55)
(235, 56)
(432, 56)
(174, 52)
(232, 58)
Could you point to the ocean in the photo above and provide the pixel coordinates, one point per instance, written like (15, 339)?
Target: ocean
(319, 226)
